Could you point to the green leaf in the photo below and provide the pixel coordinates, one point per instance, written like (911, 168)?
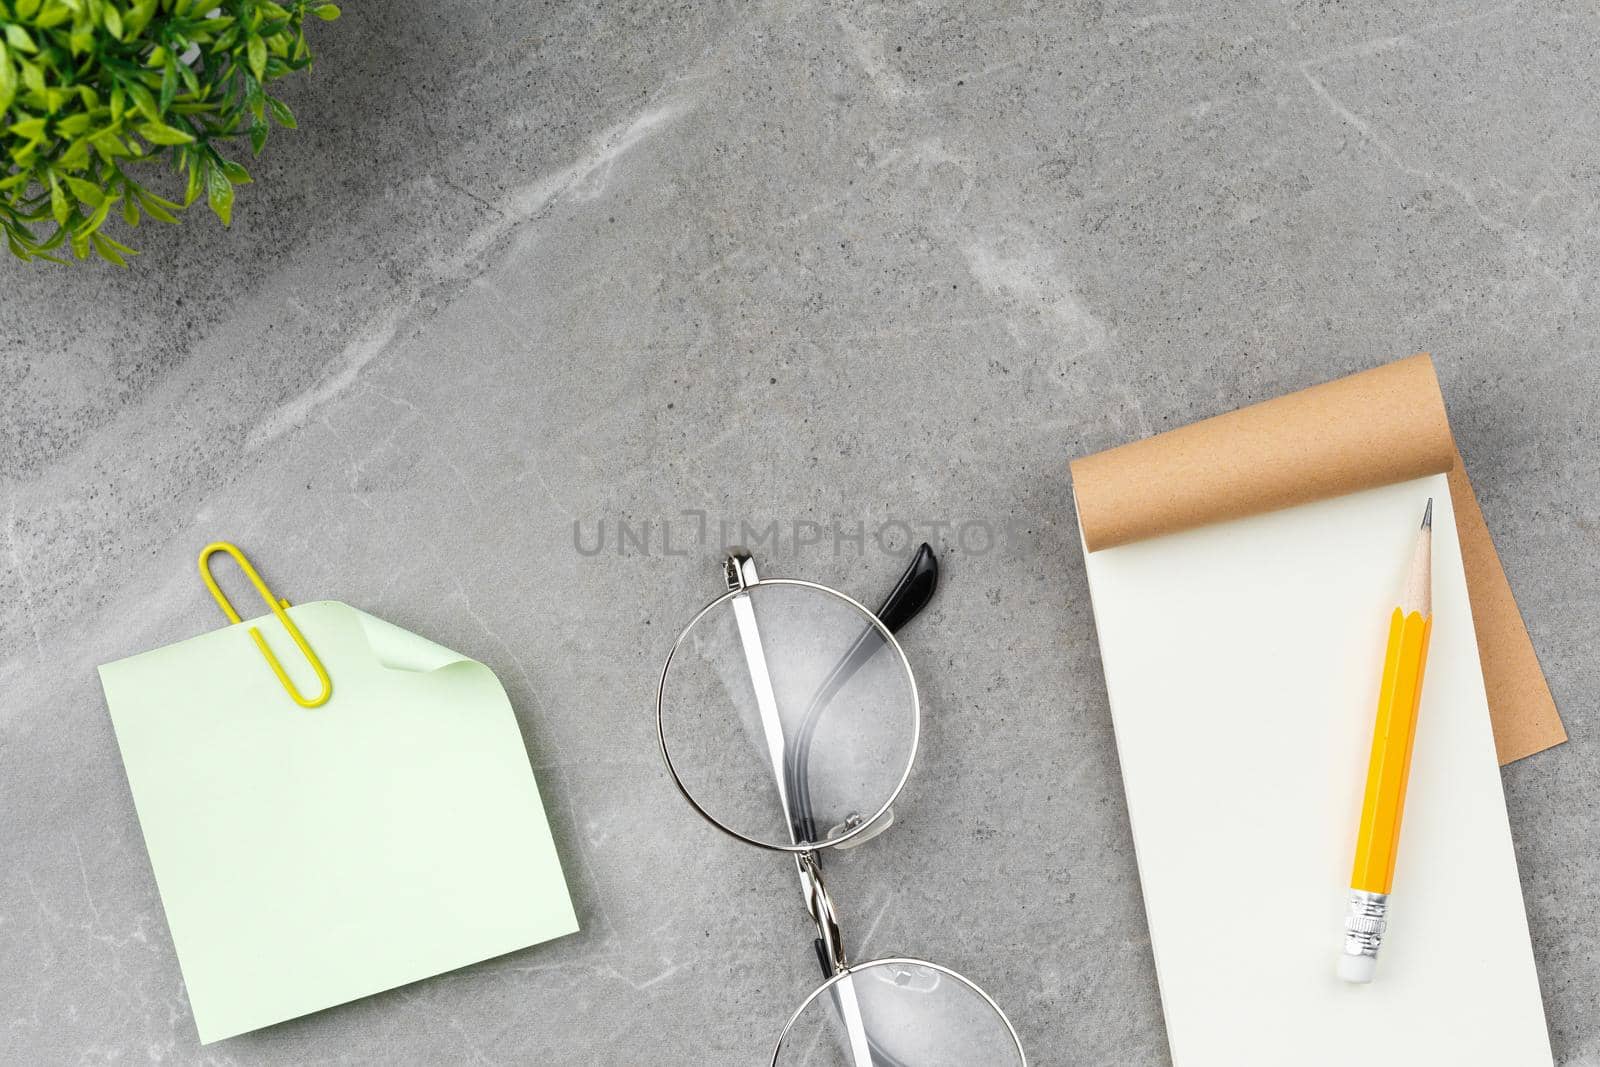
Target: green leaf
(29, 129)
(139, 16)
(113, 20)
(93, 222)
(108, 146)
(281, 112)
(258, 136)
(118, 245)
(254, 98)
(8, 80)
(111, 250)
(54, 14)
(257, 49)
(75, 158)
(327, 12)
(160, 133)
(86, 192)
(74, 124)
(236, 173)
(18, 38)
(196, 182)
(220, 194)
(169, 83)
(60, 202)
(143, 100)
(157, 208)
(26, 9)
(130, 211)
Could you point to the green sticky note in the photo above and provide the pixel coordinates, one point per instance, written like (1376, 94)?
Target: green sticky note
(309, 857)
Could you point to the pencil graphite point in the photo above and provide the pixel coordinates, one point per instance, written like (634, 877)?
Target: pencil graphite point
(1427, 515)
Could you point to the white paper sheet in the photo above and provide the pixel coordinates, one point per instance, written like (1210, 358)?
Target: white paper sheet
(1242, 664)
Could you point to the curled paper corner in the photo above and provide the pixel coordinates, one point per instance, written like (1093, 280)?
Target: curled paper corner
(400, 649)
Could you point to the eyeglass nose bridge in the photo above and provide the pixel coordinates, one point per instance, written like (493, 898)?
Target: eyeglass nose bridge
(830, 939)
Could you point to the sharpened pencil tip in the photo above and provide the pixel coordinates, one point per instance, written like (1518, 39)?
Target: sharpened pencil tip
(1427, 515)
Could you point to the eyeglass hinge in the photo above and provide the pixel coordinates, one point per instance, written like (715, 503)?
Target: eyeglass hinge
(739, 569)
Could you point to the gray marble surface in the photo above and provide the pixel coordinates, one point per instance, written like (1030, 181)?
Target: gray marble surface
(527, 270)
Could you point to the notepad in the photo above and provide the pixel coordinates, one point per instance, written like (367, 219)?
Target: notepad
(309, 857)
(1242, 659)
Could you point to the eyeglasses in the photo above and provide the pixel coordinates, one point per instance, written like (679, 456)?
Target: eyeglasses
(788, 718)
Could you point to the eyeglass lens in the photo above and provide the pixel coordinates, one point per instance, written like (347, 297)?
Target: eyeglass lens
(839, 707)
(913, 1015)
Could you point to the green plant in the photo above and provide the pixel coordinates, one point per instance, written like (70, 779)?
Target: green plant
(90, 89)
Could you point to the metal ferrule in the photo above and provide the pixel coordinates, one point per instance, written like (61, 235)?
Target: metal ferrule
(1365, 923)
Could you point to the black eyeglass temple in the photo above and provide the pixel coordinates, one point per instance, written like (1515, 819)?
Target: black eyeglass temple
(905, 602)
(913, 591)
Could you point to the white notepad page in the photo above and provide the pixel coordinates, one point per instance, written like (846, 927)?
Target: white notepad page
(1242, 663)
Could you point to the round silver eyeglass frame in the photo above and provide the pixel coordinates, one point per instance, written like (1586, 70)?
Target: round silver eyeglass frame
(836, 966)
(889, 641)
(902, 961)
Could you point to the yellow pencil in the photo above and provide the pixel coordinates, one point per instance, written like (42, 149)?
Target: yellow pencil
(1389, 768)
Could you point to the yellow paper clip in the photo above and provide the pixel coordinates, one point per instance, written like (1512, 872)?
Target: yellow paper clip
(277, 605)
